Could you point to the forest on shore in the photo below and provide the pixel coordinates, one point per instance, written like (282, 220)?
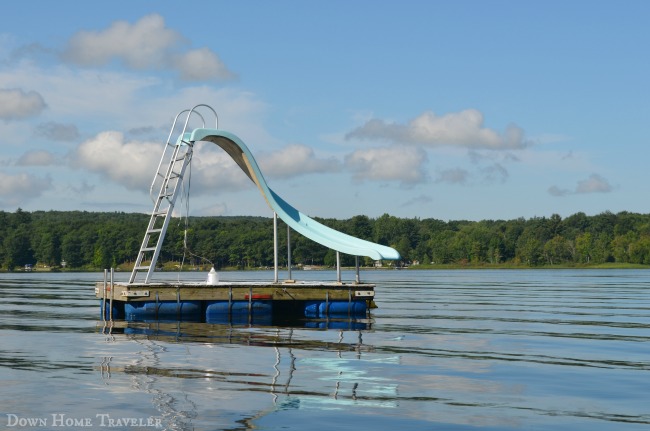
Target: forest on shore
(80, 240)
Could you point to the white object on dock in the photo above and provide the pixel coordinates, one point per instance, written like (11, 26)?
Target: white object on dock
(213, 278)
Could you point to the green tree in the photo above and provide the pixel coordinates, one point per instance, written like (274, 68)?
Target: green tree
(71, 251)
(48, 249)
(584, 247)
(621, 246)
(18, 251)
(440, 247)
(640, 250)
(361, 227)
(386, 230)
(602, 251)
(529, 248)
(557, 250)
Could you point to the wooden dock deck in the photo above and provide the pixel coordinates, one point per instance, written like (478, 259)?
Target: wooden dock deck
(235, 291)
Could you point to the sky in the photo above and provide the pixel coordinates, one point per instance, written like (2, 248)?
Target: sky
(454, 110)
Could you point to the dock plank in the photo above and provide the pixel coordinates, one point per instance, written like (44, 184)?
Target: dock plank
(240, 291)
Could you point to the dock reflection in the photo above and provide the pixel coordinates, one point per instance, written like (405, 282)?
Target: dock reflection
(223, 331)
(300, 367)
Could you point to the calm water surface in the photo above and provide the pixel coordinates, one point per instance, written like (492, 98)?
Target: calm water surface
(445, 350)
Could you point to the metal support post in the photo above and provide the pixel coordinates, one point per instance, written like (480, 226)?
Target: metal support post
(112, 295)
(275, 247)
(356, 264)
(178, 303)
(338, 266)
(104, 295)
(289, 253)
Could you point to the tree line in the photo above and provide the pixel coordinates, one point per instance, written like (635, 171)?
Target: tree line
(97, 240)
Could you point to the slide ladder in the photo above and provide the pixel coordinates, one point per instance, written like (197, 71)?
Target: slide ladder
(169, 177)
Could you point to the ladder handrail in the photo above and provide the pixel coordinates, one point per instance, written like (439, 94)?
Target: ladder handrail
(169, 144)
(193, 110)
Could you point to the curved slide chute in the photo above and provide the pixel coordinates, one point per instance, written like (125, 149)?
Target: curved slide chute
(296, 220)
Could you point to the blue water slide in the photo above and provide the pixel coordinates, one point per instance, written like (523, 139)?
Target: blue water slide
(296, 220)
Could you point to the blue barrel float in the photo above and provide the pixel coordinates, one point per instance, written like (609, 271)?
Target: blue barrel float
(163, 310)
(316, 309)
(255, 311)
(239, 312)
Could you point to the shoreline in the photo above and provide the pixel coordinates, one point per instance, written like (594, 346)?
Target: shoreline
(434, 267)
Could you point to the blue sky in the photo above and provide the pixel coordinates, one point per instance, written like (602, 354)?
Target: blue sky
(452, 110)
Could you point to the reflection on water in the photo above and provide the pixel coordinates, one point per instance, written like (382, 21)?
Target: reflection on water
(343, 375)
(452, 350)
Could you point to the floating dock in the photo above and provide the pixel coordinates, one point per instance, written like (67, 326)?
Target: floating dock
(142, 299)
(227, 302)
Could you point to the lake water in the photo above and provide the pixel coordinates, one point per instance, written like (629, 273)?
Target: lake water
(445, 350)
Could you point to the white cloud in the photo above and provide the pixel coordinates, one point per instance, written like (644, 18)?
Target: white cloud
(404, 164)
(38, 158)
(131, 164)
(594, 184)
(294, 160)
(462, 129)
(142, 45)
(493, 173)
(57, 131)
(16, 104)
(146, 44)
(20, 188)
(201, 65)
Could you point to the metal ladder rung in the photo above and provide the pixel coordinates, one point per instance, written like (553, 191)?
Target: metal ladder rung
(148, 249)
(142, 268)
(154, 230)
(167, 193)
